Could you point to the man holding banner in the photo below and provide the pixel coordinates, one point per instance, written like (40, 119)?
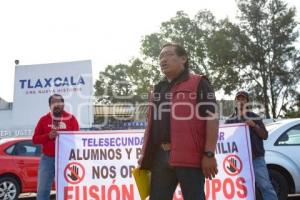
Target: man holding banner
(258, 133)
(45, 133)
(181, 135)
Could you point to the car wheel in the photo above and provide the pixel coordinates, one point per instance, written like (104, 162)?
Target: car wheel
(279, 183)
(9, 188)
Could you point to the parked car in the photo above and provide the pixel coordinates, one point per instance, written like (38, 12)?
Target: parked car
(19, 160)
(283, 156)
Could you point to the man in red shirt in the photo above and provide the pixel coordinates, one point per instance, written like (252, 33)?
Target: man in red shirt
(45, 133)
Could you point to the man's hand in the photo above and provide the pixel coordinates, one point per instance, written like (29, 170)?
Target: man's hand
(209, 167)
(261, 132)
(140, 161)
(250, 123)
(53, 133)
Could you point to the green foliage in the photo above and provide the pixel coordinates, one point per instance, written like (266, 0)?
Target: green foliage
(273, 62)
(294, 110)
(191, 33)
(125, 83)
(256, 54)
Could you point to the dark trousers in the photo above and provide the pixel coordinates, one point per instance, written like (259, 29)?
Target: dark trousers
(164, 179)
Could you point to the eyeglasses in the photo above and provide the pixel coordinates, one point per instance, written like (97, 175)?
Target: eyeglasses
(166, 54)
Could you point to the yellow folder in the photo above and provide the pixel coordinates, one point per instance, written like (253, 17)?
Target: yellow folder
(142, 179)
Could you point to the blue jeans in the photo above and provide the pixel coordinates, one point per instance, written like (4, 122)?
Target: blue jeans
(262, 179)
(45, 177)
(164, 180)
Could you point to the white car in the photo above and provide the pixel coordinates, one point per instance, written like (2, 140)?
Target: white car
(283, 156)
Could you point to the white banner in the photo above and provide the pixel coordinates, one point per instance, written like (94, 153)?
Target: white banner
(235, 179)
(35, 83)
(98, 165)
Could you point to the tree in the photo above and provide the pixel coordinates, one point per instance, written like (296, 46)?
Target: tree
(213, 46)
(294, 110)
(125, 83)
(272, 62)
(256, 54)
(226, 55)
(191, 33)
(112, 83)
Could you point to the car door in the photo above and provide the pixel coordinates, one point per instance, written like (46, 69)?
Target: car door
(288, 143)
(27, 156)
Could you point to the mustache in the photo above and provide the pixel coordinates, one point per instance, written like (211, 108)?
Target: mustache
(57, 111)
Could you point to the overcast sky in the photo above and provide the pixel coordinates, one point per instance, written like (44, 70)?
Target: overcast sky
(106, 32)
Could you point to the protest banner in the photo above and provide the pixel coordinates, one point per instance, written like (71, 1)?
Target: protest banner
(235, 179)
(98, 165)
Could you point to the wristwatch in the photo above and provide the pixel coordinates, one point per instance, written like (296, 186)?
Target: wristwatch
(209, 154)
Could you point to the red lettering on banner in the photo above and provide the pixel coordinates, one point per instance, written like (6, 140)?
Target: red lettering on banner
(240, 184)
(84, 193)
(66, 192)
(229, 188)
(77, 192)
(93, 190)
(103, 192)
(113, 189)
(207, 188)
(127, 194)
(216, 187)
(228, 182)
(111, 192)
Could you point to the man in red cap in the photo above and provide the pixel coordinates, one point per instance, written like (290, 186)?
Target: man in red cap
(258, 133)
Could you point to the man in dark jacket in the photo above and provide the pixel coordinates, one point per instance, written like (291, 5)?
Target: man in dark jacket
(258, 133)
(181, 135)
